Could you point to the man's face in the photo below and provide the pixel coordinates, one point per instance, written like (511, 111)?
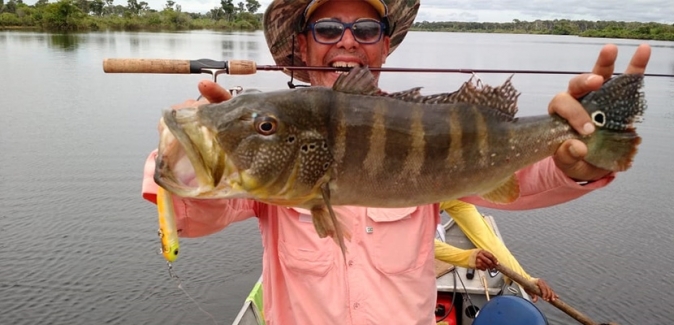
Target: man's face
(346, 52)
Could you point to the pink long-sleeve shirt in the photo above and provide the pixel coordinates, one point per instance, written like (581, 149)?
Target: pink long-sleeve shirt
(388, 276)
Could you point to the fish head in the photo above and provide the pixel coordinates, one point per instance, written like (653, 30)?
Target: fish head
(244, 147)
(190, 162)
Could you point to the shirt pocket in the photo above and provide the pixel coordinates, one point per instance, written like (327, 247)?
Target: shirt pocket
(397, 238)
(301, 251)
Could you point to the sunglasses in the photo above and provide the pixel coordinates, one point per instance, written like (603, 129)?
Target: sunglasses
(364, 31)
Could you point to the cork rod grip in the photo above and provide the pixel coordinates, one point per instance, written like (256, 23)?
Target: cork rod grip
(146, 66)
(242, 67)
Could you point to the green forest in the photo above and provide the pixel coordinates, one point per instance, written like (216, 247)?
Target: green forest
(94, 15)
(583, 28)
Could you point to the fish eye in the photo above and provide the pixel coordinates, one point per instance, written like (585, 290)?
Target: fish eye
(599, 118)
(265, 125)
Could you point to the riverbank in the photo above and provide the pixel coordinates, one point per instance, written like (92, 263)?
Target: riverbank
(582, 28)
(71, 16)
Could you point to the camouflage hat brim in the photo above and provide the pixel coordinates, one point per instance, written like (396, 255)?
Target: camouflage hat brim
(282, 21)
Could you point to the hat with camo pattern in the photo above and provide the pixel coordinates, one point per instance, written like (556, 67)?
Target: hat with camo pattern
(284, 19)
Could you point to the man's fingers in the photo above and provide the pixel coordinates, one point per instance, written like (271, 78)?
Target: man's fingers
(605, 64)
(213, 92)
(639, 60)
(582, 84)
(566, 106)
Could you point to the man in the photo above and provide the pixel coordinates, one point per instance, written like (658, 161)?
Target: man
(490, 249)
(388, 275)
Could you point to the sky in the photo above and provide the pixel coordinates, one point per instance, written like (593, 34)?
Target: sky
(661, 11)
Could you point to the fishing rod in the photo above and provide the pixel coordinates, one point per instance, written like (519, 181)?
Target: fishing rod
(244, 67)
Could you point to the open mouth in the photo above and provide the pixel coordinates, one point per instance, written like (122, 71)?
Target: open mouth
(190, 163)
(344, 64)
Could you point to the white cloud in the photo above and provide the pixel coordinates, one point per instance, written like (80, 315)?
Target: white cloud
(661, 11)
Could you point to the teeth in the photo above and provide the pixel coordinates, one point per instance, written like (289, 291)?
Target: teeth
(341, 64)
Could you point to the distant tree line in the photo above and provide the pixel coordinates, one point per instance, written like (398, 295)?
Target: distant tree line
(87, 15)
(584, 28)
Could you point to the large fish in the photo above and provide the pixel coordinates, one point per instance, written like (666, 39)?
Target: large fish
(353, 144)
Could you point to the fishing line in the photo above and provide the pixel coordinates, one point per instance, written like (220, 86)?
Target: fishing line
(180, 286)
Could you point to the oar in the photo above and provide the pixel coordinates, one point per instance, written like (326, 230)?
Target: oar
(532, 287)
(215, 68)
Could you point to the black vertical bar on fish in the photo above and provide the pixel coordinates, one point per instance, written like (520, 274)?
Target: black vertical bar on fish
(469, 134)
(437, 144)
(398, 145)
(349, 123)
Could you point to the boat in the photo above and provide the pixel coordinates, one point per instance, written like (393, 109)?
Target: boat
(462, 298)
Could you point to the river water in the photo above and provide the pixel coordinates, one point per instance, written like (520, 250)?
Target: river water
(78, 245)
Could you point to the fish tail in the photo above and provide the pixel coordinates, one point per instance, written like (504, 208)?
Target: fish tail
(614, 109)
(611, 150)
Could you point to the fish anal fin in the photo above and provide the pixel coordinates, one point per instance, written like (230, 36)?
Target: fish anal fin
(507, 192)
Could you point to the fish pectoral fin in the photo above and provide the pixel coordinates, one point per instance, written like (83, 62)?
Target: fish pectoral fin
(507, 192)
(327, 223)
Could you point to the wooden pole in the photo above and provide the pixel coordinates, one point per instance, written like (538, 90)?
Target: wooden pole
(532, 287)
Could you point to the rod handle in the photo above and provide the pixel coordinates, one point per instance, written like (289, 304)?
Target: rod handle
(146, 66)
(242, 67)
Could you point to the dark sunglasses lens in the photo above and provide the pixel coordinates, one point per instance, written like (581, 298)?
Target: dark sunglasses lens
(328, 31)
(366, 31)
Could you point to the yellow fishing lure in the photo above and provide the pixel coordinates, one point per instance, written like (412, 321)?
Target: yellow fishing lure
(168, 232)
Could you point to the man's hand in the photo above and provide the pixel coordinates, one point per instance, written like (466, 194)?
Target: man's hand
(546, 292)
(210, 91)
(569, 156)
(485, 260)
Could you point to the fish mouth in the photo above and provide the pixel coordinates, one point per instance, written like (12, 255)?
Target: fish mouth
(190, 162)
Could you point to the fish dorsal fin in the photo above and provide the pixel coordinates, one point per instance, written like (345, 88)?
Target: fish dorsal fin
(359, 81)
(502, 99)
(410, 95)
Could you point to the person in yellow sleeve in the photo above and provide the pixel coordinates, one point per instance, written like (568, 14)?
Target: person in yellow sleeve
(490, 249)
(469, 258)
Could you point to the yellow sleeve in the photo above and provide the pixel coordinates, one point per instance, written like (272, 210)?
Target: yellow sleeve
(454, 255)
(480, 234)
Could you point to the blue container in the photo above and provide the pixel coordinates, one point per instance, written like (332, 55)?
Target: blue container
(510, 310)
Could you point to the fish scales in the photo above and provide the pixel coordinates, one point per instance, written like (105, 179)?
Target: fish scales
(417, 135)
(356, 145)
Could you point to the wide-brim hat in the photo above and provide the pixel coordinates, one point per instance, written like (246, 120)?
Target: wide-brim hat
(283, 21)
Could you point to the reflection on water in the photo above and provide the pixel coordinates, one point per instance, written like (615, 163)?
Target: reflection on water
(67, 42)
(78, 244)
(234, 44)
